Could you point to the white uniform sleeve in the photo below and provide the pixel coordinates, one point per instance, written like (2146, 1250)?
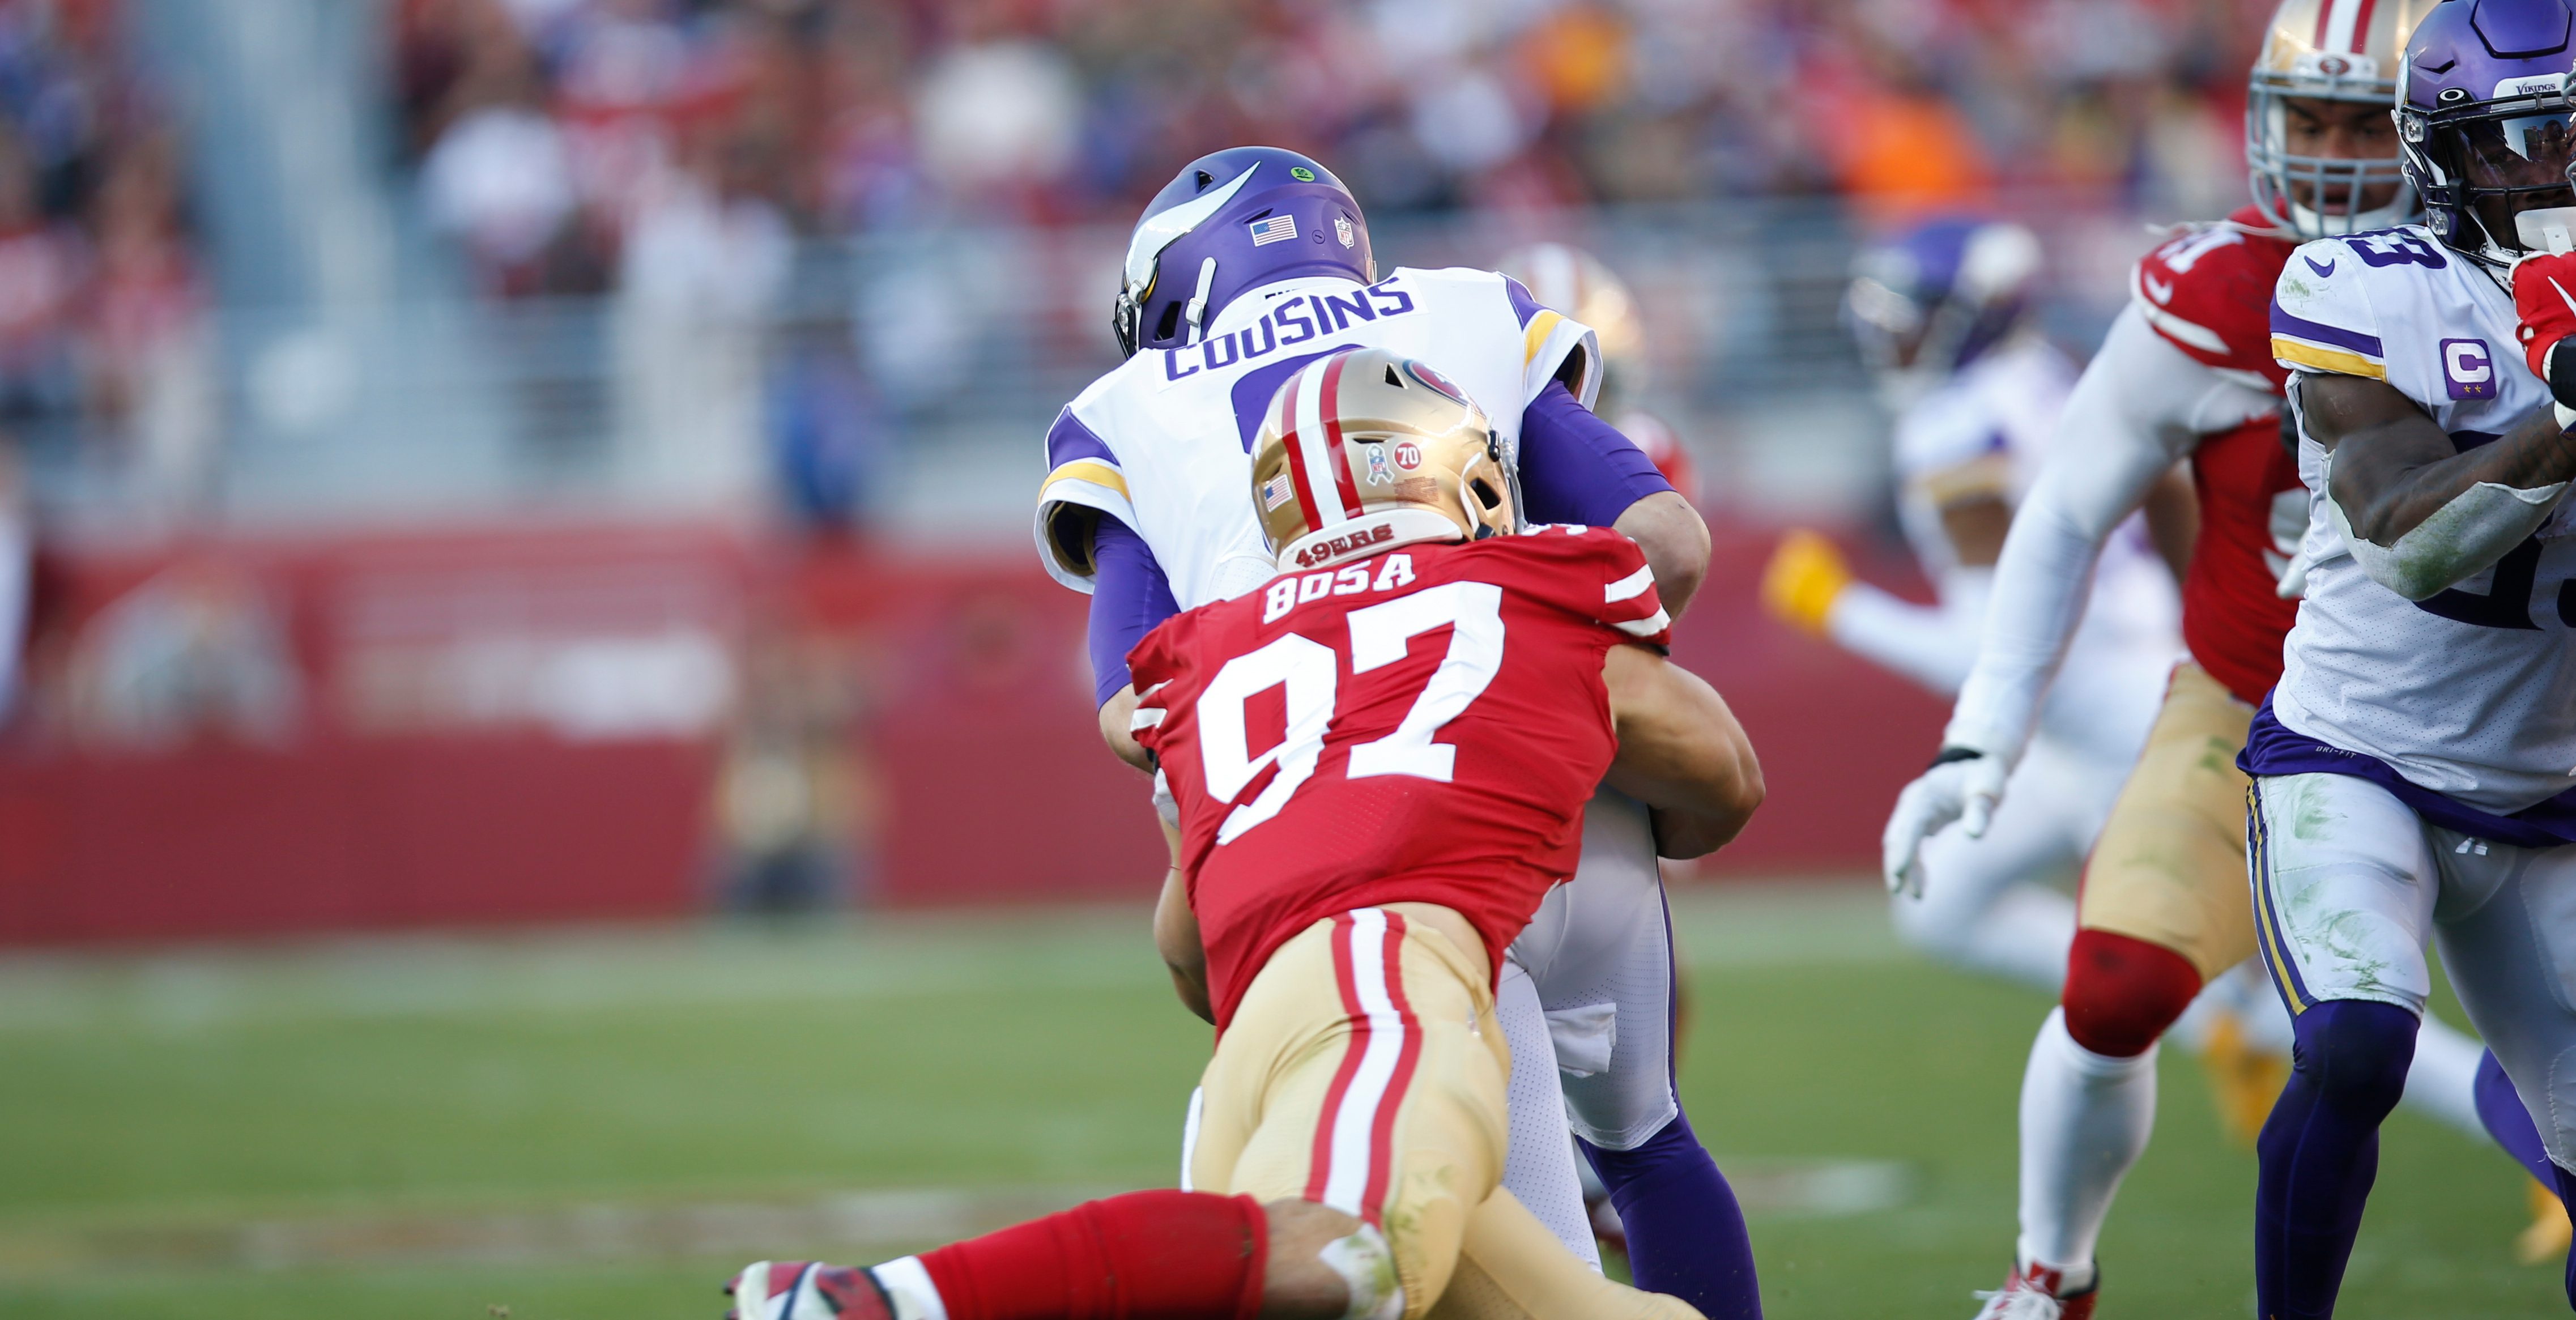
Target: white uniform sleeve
(1931, 644)
(1082, 473)
(2141, 406)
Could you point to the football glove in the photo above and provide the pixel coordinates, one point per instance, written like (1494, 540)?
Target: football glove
(2544, 297)
(1963, 786)
(1805, 575)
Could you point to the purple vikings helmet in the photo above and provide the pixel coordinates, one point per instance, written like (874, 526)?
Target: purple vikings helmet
(2484, 119)
(1233, 220)
(1929, 301)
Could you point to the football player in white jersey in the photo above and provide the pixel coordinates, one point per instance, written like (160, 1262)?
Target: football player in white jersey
(2186, 371)
(1940, 315)
(2411, 771)
(1249, 264)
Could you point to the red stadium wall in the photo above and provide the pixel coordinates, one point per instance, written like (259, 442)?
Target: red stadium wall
(456, 751)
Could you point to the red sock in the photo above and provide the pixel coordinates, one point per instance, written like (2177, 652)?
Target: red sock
(1142, 1256)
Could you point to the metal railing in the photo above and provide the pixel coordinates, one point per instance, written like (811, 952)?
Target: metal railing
(949, 351)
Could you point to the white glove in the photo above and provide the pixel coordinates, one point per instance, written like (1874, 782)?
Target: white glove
(1947, 792)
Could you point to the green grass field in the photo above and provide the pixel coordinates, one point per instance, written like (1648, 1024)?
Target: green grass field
(603, 1124)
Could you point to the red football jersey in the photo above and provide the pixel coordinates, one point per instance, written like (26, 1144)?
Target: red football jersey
(2209, 293)
(1423, 725)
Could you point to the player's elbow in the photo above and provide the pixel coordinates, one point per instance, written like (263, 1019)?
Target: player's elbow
(1675, 542)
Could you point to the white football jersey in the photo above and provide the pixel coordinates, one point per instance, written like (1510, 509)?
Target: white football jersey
(1983, 432)
(2472, 692)
(1164, 443)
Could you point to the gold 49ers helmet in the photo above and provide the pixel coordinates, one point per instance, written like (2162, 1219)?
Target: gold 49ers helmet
(1365, 450)
(2328, 50)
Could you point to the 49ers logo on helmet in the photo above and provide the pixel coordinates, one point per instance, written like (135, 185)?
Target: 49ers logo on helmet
(1435, 380)
(1408, 455)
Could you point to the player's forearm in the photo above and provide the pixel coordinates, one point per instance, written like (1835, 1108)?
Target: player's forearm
(1682, 753)
(1675, 542)
(1176, 939)
(2418, 515)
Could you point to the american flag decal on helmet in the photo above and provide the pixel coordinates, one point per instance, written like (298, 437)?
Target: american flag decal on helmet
(1275, 229)
(1277, 491)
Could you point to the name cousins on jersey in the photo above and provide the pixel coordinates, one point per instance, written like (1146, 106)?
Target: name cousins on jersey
(1297, 319)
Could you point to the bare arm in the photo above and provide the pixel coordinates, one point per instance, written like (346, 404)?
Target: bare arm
(1669, 530)
(1115, 714)
(2173, 519)
(2392, 471)
(1680, 752)
(1176, 936)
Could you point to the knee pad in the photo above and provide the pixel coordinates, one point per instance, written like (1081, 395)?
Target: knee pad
(2355, 1052)
(2121, 992)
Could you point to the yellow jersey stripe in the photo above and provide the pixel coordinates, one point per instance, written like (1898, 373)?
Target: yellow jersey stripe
(1091, 470)
(1535, 338)
(2317, 357)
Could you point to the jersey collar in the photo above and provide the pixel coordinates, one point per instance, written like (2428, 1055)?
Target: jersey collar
(1253, 304)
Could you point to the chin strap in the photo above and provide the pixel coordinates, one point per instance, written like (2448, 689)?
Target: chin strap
(1196, 312)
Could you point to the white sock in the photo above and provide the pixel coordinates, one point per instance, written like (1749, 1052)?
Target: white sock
(909, 1285)
(2085, 1119)
(2442, 1082)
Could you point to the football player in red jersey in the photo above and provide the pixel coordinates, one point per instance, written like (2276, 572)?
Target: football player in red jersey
(2185, 373)
(1381, 761)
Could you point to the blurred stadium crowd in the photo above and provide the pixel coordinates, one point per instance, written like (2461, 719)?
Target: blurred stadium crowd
(565, 142)
(101, 295)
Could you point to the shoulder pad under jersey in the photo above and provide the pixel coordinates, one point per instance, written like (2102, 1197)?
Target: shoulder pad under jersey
(2209, 292)
(1554, 346)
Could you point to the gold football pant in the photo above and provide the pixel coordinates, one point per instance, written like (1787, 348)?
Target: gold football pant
(1364, 1071)
(2169, 865)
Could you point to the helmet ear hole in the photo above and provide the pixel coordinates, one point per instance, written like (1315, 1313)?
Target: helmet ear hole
(1170, 325)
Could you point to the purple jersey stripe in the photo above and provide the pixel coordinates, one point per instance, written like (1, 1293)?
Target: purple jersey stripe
(1069, 439)
(2317, 332)
(1523, 305)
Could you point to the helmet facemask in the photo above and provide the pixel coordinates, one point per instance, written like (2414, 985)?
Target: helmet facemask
(2320, 196)
(2480, 163)
(1364, 451)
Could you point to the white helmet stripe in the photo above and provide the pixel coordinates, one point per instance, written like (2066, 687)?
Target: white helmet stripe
(1156, 232)
(1313, 451)
(2342, 25)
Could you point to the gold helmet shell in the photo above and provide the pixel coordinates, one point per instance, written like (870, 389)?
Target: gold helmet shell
(2328, 50)
(1365, 450)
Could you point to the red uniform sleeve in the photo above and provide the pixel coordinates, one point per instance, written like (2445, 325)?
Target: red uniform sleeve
(2208, 292)
(1597, 574)
(1155, 662)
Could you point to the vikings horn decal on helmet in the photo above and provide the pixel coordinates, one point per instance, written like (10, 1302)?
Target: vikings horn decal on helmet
(1233, 220)
(2484, 121)
(1929, 301)
(1365, 450)
(2327, 50)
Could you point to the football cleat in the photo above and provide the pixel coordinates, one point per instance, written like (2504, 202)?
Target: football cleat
(2549, 1235)
(2244, 1080)
(2033, 1294)
(807, 1290)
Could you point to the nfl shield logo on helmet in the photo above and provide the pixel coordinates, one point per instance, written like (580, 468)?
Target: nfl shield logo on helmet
(1379, 473)
(1342, 230)
(1276, 491)
(1274, 229)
